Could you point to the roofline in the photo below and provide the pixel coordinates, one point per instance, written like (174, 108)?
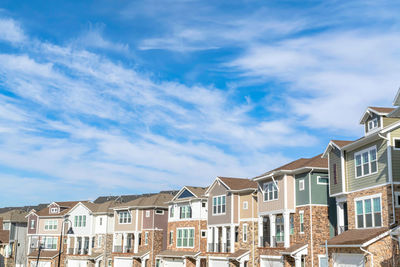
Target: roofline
(187, 199)
(295, 171)
(294, 252)
(243, 190)
(326, 151)
(215, 180)
(240, 256)
(184, 187)
(368, 242)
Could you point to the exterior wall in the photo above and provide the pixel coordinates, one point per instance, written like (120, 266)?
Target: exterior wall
(218, 190)
(200, 243)
(270, 206)
(395, 156)
(103, 227)
(319, 192)
(32, 217)
(81, 210)
(118, 227)
(387, 121)
(252, 240)
(148, 219)
(42, 221)
(161, 220)
(198, 212)
(303, 196)
(290, 183)
(372, 117)
(251, 211)
(334, 160)
(235, 208)
(380, 177)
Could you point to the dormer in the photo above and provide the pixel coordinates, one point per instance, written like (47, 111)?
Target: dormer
(54, 208)
(375, 118)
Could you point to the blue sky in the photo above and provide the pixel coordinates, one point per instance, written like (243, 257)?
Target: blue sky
(123, 97)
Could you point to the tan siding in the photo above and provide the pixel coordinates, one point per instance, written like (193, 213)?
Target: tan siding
(246, 213)
(235, 208)
(274, 204)
(395, 156)
(123, 227)
(388, 121)
(334, 158)
(219, 190)
(140, 220)
(49, 232)
(370, 180)
(290, 192)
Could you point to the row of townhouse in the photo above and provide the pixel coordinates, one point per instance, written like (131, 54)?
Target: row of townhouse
(340, 208)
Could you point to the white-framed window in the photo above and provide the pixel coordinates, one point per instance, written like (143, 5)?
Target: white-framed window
(245, 226)
(147, 213)
(49, 242)
(100, 221)
(99, 241)
(366, 162)
(160, 212)
(301, 185)
(185, 212)
(80, 221)
(301, 215)
(109, 262)
(50, 225)
(372, 124)
(396, 143)
(219, 204)
(245, 205)
(203, 204)
(280, 225)
(54, 210)
(322, 261)
(33, 223)
(203, 233)
(322, 180)
(171, 237)
(185, 237)
(124, 217)
(397, 199)
(171, 211)
(270, 191)
(368, 212)
(146, 238)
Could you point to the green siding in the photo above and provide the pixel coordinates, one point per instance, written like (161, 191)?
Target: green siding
(319, 193)
(302, 197)
(395, 156)
(334, 158)
(371, 180)
(387, 121)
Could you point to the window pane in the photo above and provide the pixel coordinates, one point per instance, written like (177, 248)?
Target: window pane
(373, 166)
(358, 160)
(359, 207)
(377, 204)
(366, 169)
(270, 195)
(367, 204)
(359, 173)
(368, 220)
(365, 157)
(372, 154)
(377, 219)
(360, 221)
(275, 194)
(223, 200)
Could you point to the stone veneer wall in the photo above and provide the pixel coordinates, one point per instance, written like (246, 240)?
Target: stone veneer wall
(252, 234)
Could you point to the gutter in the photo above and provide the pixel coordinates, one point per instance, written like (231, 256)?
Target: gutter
(372, 256)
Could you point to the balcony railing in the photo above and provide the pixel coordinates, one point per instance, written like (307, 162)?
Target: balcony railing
(118, 249)
(219, 247)
(271, 242)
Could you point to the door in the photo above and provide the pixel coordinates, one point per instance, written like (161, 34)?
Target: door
(271, 263)
(266, 231)
(219, 263)
(119, 262)
(348, 260)
(173, 263)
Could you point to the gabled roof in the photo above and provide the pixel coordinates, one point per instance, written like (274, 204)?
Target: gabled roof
(154, 201)
(337, 143)
(356, 237)
(302, 163)
(67, 205)
(197, 192)
(382, 111)
(238, 183)
(14, 216)
(178, 254)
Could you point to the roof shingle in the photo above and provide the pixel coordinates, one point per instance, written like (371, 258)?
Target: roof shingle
(238, 183)
(356, 236)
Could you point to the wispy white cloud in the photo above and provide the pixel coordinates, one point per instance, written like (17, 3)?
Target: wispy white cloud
(10, 31)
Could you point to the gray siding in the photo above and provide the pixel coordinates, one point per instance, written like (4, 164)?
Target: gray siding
(226, 218)
(378, 178)
(319, 192)
(302, 197)
(371, 117)
(334, 160)
(395, 156)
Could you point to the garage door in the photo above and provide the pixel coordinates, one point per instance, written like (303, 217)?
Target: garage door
(77, 263)
(41, 264)
(271, 263)
(173, 263)
(123, 262)
(348, 260)
(219, 263)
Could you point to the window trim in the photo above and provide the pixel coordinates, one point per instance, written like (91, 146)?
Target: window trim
(369, 162)
(187, 212)
(147, 213)
(32, 224)
(301, 185)
(171, 211)
(159, 212)
(301, 216)
(372, 121)
(394, 143)
(203, 232)
(245, 233)
(396, 200)
(127, 221)
(54, 225)
(321, 183)
(266, 192)
(146, 238)
(371, 197)
(188, 238)
(212, 205)
(171, 238)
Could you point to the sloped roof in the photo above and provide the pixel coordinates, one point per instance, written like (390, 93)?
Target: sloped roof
(46, 254)
(293, 248)
(198, 191)
(67, 205)
(14, 216)
(238, 183)
(128, 198)
(177, 254)
(157, 200)
(239, 253)
(356, 236)
(315, 162)
(341, 143)
(382, 109)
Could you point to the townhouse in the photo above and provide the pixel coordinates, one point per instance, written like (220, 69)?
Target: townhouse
(140, 230)
(13, 241)
(231, 222)
(364, 178)
(44, 229)
(295, 214)
(90, 244)
(187, 229)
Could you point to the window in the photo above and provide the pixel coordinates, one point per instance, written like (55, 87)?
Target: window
(372, 124)
(185, 212)
(245, 232)
(157, 262)
(147, 213)
(203, 233)
(109, 262)
(396, 144)
(366, 162)
(291, 224)
(245, 205)
(49, 242)
(101, 221)
(301, 214)
(159, 212)
(322, 180)
(203, 204)
(397, 199)
(368, 212)
(54, 210)
(99, 241)
(33, 224)
(236, 234)
(270, 191)
(185, 238)
(279, 228)
(146, 238)
(80, 221)
(50, 225)
(219, 205)
(171, 237)
(171, 211)
(124, 217)
(334, 174)
(301, 185)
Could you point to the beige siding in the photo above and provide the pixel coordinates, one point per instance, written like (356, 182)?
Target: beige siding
(248, 213)
(218, 190)
(370, 180)
(291, 192)
(42, 222)
(274, 205)
(125, 226)
(140, 220)
(235, 208)
(334, 160)
(388, 121)
(395, 156)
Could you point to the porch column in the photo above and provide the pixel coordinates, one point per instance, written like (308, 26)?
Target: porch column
(75, 245)
(224, 239)
(113, 243)
(272, 218)
(83, 239)
(286, 228)
(260, 231)
(340, 217)
(29, 244)
(124, 241)
(216, 239)
(210, 239)
(90, 245)
(297, 261)
(232, 238)
(198, 262)
(136, 242)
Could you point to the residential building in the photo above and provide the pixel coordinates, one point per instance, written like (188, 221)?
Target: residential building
(44, 232)
(231, 222)
(364, 177)
(13, 242)
(140, 230)
(187, 229)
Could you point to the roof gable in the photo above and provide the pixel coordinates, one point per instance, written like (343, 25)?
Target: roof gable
(185, 194)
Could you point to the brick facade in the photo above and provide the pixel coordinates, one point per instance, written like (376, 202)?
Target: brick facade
(200, 243)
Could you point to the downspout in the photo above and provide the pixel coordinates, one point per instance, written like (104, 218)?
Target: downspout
(311, 224)
(252, 217)
(372, 256)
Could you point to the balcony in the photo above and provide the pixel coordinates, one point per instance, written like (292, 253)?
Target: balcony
(219, 247)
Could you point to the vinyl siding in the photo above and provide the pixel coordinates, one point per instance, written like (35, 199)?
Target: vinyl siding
(378, 178)
(302, 197)
(388, 121)
(248, 213)
(218, 190)
(124, 226)
(395, 156)
(334, 158)
(371, 117)
(319, 192)
(274, 205)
